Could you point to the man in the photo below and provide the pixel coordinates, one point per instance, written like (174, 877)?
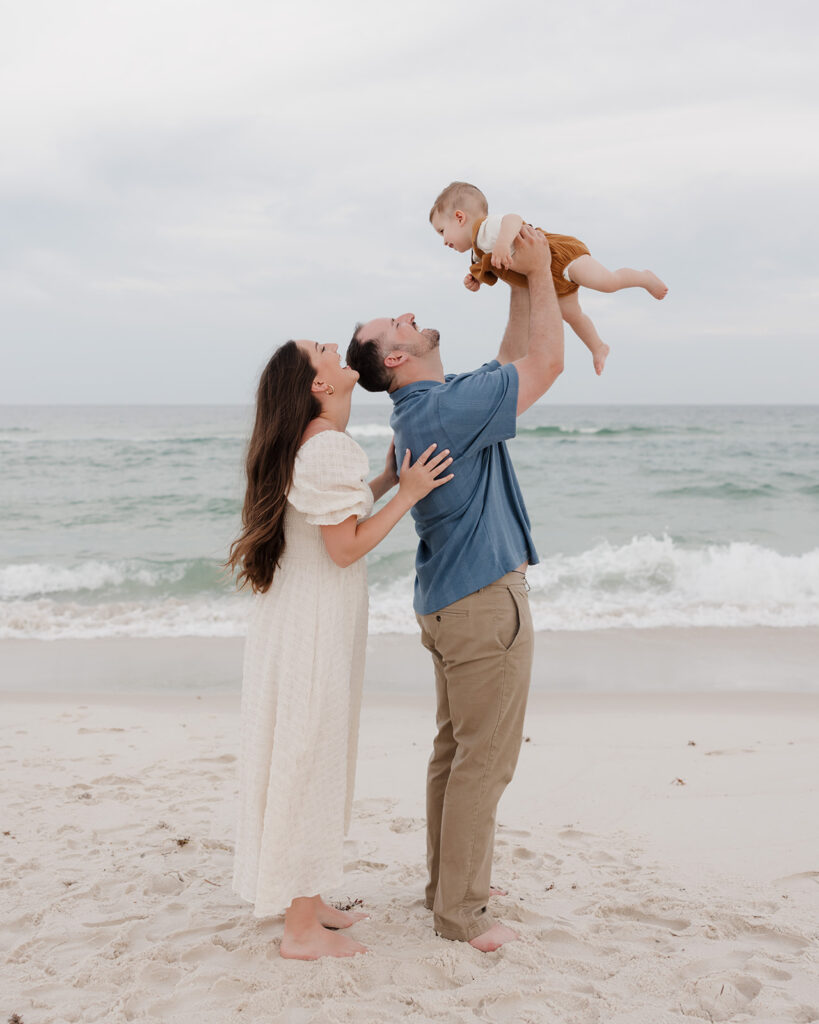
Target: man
(470, 588)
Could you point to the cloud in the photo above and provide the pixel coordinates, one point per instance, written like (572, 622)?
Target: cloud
(183, 185)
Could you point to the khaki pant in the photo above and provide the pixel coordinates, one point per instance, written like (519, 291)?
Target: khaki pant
(481, 647)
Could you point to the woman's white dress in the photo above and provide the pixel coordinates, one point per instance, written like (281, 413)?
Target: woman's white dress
(301, 691)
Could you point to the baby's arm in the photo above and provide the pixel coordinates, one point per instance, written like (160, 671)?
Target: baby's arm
(511, 224)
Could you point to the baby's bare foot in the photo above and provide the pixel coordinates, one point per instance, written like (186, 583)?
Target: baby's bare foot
(494, 938)
(318, 942)
(331, 917)
(600, 355)
(653, 285)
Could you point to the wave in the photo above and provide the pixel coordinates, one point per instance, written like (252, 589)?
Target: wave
(652, 582)
(370, 430)
(47, 619)
(102, 581)
(726, 489)
(560, 431)
(648, 583)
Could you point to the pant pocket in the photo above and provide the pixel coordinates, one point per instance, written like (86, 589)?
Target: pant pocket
(512, 618)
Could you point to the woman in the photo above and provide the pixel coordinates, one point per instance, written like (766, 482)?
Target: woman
(301, 550)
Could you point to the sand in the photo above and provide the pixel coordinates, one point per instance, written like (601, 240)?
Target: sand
(661, 853)
(617, 660)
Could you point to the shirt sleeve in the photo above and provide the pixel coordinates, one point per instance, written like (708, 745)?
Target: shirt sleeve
(479, 409)
(329, 480)
(488, 233)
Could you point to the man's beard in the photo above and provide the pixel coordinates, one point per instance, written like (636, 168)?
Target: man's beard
(432, 336)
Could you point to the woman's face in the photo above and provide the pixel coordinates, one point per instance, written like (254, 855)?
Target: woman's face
(327, 364)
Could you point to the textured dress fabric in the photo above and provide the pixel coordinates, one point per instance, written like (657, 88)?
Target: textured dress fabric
(301, 691)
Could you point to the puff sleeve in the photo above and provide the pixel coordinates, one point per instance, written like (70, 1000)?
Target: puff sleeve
(329, 480)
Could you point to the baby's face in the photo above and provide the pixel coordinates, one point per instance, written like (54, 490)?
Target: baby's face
(455, 228)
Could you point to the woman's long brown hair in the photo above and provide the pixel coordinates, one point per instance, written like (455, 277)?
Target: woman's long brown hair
(284, 407)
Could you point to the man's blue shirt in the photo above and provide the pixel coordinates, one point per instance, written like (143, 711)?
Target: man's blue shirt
(474, 529)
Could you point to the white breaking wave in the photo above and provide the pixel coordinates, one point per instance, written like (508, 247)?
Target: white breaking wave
(51, 620)
(33, 578)
(647, 583)
(370, 430)
(651, 582)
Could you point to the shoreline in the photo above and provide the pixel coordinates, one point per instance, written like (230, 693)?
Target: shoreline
(683, 660)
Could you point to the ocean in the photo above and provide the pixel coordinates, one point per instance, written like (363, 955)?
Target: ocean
(114, 521)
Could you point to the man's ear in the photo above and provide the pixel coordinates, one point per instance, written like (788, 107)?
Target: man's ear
(395, 358)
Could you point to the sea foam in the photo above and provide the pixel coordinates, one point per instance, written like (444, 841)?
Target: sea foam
(649, 582)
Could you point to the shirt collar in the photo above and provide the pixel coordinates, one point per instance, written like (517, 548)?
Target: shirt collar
(410, 389)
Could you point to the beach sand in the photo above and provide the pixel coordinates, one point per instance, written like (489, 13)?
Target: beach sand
(618, 660)
(660, 851)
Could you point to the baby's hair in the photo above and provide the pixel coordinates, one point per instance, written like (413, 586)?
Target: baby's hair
(458, 194)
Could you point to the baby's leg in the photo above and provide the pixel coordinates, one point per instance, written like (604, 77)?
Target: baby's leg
(586, 271)
(584, 329)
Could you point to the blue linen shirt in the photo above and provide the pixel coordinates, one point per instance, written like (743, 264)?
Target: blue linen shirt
(474, 529)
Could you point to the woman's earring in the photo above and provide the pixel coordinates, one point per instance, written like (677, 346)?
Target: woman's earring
(330, 389)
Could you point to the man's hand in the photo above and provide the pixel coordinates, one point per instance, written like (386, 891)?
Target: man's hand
(501, 256)
(390, 467)
(471, 283)
(532, 252)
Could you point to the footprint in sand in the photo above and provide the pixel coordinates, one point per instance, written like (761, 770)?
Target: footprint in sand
(374, 807)
(406, 824)
(737, 928)
(168, 884)
(697, 969)
(365, 865)
(520, 914)
(114, 921)
(805, 880)
(720, 997)
(117, 780)
(639, 917)
(574, 835)
(564, 943)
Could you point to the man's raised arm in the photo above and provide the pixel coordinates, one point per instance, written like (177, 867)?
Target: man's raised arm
(542, 364)
(515, 343)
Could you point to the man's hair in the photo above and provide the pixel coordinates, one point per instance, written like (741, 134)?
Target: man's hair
(460, 194)
(366, 359)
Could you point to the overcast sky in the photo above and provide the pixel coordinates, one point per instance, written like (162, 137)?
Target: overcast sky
(184, 184)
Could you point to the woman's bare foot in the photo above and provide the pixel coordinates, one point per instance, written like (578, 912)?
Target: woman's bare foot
(316, 942)
(599, 356)
(654, 286)
(494, 938)
(331, 917)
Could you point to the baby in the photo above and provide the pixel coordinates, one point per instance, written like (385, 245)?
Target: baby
(460, 216)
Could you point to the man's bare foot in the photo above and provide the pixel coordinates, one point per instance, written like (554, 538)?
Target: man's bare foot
(653, 285)
(331, 917)
(316, 942)
(600, 355)
(495, 891)
(493, 939)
